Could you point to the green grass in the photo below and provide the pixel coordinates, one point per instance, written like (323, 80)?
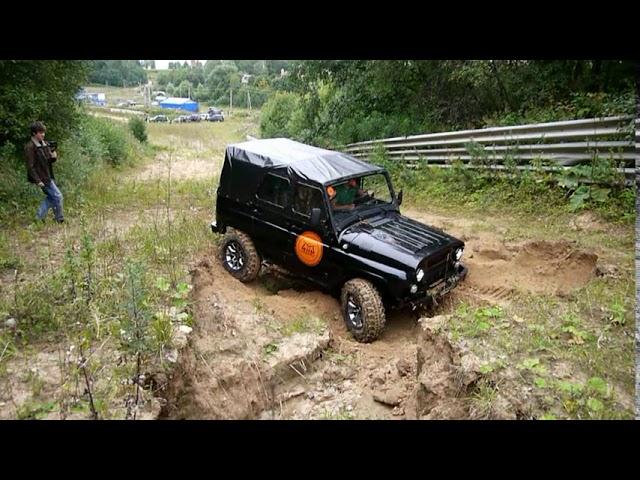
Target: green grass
(482, 399)
(76, 285)
(114, 94)
(528, 196)
(33, 410)
(341, 414)
(8, 258)
(303, 324)
(591, 331)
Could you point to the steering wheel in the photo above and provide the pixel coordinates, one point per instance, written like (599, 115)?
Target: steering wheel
(368, 196)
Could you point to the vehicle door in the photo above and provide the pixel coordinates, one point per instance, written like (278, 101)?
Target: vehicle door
(272, 203)
(310, 249)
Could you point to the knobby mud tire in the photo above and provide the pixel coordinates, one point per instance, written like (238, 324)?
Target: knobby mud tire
(371, 307)
(252, 260)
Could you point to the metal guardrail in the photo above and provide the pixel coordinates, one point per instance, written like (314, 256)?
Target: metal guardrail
(565, 143)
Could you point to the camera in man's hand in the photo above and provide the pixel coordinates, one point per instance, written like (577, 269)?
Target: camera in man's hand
(53, 145)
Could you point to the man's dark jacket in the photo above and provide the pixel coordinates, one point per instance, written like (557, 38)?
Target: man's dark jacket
(39, 162)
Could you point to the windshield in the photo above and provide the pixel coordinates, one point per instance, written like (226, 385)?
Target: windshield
(354, 198)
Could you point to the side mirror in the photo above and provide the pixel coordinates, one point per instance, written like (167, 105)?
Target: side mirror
(400, 198)
(315, 217)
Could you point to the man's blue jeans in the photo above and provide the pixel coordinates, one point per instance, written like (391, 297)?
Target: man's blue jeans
(52, 200)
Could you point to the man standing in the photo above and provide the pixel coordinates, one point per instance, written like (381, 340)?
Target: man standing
(40, 157)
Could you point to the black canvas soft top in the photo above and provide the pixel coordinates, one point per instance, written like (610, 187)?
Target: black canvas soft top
(303, 161)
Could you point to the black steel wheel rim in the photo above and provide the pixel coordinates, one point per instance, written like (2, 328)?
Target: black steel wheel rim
(354, 312)
(234, 256)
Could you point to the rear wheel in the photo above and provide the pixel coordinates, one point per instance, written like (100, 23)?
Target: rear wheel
(239, 256)
(362, 310)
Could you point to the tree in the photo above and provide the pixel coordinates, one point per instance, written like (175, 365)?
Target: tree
(117, 72)
(200, 93)
(277, 113)
(346, 101)
(185, 88)
(39, 90)
(221, 79)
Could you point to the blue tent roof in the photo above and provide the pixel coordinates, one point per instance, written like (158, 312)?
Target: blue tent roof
(181, 103)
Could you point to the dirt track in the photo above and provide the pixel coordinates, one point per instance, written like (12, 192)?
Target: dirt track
(244, 363)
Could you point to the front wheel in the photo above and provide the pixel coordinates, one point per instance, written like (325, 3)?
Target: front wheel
(239, 256)
(362, 310)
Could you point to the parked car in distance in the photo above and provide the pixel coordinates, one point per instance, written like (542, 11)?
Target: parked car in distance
(194, 117)
(180, 119)
(203, 116)
(159, 118)
(215, 115)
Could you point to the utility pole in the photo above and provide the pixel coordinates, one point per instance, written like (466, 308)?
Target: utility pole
(230, 100)
(249, 99)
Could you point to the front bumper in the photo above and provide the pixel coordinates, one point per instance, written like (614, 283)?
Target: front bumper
(433, 294)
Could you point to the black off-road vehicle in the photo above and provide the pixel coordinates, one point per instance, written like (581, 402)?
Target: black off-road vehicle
(332, 219)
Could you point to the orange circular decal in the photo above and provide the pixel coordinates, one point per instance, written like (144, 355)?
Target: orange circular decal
(309, 248)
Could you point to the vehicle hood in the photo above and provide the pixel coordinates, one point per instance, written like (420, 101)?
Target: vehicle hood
(398, 239)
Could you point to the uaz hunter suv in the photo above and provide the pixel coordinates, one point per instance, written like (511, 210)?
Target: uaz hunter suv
(335, 220)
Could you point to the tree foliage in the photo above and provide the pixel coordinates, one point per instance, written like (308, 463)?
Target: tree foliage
(119, 73)
(39, 90)
(138, 128)
(216, 80)
(345, 101)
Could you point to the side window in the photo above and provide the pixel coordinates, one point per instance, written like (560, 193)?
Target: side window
(305, 199)
(274, 190)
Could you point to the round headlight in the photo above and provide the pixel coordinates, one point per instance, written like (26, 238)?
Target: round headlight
(458, 254)
(419, 274)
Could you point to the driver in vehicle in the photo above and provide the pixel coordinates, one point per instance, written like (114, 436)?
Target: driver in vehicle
(346, 194)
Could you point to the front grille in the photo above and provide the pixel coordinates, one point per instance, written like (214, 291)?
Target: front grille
(436, 268)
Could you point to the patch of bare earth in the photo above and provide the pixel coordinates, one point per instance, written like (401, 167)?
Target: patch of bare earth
(179, 168)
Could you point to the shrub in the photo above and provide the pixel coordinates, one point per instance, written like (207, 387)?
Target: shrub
(114, 140)
(277, 113)
(138, 128)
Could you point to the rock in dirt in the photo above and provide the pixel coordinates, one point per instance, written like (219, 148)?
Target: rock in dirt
(392, 396)
(336, 373)
(171, 356)
(297, 351)
(404, 367)
(181, 336)
(607, 271)
(397, 411)
(434, 324)
(10, 323)
(454, 409)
